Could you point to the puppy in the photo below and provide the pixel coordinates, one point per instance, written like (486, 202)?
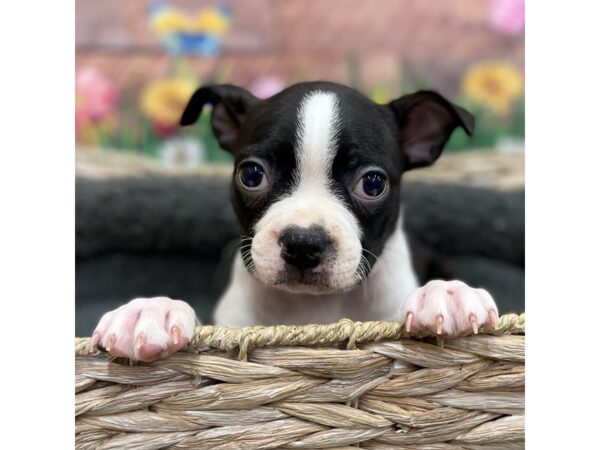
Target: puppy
(316, 188)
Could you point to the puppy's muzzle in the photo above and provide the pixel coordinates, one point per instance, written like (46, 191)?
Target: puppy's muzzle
(304, 248)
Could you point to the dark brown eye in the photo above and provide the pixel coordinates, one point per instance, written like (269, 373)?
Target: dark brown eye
(252, 176)
(372, 185)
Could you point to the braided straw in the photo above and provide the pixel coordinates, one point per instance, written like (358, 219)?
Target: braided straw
(297, 387)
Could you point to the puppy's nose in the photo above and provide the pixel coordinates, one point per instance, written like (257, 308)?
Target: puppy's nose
(304, 248)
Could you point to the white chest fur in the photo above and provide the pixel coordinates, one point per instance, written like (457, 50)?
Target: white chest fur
(247, 301)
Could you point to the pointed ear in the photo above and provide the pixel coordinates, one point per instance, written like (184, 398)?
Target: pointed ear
(426, 121)
(230, 105)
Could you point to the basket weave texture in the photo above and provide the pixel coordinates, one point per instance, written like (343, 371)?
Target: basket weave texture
(340, 385)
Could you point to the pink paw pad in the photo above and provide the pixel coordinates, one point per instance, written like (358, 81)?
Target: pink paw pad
(449, 308)
(146, 329)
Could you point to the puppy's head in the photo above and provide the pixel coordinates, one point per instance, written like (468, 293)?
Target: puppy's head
(316, 184)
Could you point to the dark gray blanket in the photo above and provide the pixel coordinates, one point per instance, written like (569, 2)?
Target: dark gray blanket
(167, 235)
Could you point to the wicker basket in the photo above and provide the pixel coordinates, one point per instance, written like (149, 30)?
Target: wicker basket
(343, 385)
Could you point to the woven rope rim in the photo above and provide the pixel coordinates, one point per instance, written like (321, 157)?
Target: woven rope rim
(345, 331)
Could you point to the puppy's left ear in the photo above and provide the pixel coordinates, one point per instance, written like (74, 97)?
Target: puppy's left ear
(426, 121)
(230, 105)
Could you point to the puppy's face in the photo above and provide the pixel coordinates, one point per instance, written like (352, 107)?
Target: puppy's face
(316, 184)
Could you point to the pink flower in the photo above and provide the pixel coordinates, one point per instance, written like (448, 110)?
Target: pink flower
(95, 97)
(267, 86)
(508, 16)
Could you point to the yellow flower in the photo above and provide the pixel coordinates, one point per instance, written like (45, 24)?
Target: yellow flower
(493, 85)
(211, 21)
(171, 20)
(163, 101)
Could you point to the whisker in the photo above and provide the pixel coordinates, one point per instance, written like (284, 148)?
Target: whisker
(371, 253)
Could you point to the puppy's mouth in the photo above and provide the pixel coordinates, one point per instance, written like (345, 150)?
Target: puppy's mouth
(288, 278)
(303, 281)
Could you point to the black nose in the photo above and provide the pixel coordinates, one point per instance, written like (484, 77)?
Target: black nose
(304, 248)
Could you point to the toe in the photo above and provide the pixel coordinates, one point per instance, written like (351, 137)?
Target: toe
(151, 336)
(180, 325)
(488, 307)
(474, 324)
(468, 313)
(408, 322)
(151, 352)
(492, 318)
(95, 340)
(410, 307)
(434, 315)
(100, 333)
(439, 324)
(119, 333)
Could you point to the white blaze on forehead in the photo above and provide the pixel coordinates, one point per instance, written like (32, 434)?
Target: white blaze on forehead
(311, 201)
(318, 126)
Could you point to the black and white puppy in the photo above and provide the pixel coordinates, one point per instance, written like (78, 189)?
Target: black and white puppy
(316, 189)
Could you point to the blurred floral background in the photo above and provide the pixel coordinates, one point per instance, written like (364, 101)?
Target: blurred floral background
(137, 63)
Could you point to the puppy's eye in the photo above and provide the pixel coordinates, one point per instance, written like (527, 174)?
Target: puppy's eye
(371, 186)
(252, 176)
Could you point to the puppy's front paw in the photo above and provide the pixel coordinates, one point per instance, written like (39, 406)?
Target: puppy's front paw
(146, 329)
(449, 308)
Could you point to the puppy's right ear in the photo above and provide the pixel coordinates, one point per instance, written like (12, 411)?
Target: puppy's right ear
(230, 105)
